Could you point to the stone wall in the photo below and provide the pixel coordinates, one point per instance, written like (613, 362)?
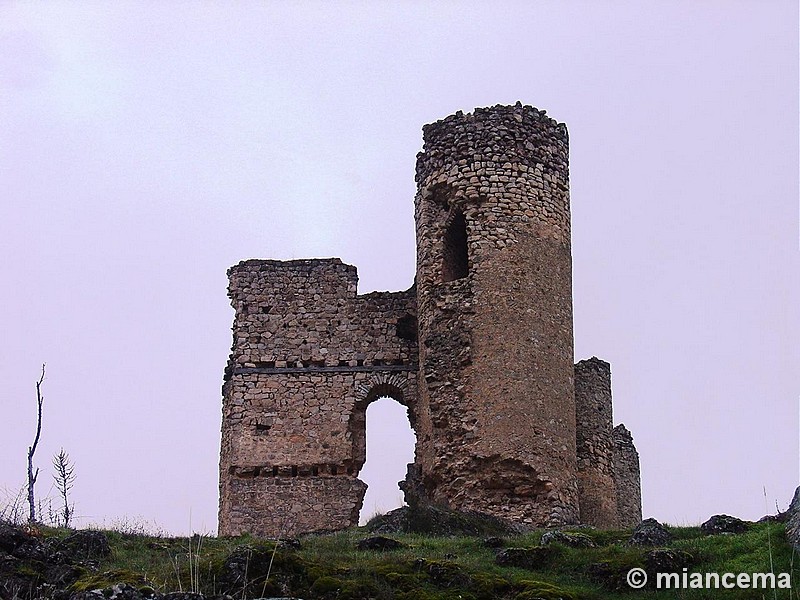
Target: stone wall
(494, 279)
(596, 485)
(627, 479)
(308, 357)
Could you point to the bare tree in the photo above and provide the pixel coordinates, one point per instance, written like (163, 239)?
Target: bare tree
(64, 477)
(32, 449)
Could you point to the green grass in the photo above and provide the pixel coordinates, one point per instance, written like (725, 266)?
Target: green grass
(428, 568)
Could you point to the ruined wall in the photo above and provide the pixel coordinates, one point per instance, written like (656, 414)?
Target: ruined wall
(494, 275)
(308, 356)
(626, 476)
(594, 421)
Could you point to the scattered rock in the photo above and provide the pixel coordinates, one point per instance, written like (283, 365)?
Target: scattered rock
(494, 542)
(650, 533)
(666, 560)
(289, 544)
(182, 596)
(379, 542)
(724, 524)
(124, 591)
(443, 574)
(90, 595)
(573, 540)
(793, 520)
(781, 517)
(524, 558)
(12, 538)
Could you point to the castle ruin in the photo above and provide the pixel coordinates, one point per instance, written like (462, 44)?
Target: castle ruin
(480, 351)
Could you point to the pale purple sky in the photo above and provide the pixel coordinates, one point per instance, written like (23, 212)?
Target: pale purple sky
(146, 147)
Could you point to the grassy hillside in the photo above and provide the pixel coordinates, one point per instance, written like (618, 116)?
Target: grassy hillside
(330, 566)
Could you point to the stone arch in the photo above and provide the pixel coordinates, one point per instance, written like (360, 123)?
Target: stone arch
(394, 385)
(450, 221)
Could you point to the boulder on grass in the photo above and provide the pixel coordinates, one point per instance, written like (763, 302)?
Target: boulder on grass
(724, 524)
(573, 540)
(650, 533)
(379, 542)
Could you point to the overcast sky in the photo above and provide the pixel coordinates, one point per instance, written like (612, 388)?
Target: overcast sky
(146, 147)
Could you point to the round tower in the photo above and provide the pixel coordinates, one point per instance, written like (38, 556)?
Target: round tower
(496, 420)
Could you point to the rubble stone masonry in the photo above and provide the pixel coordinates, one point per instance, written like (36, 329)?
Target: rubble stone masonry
(627, 478)
(494, 277)
(480, 351)
(596, 485)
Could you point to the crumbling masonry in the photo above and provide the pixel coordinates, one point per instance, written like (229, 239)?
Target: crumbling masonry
(480, 350)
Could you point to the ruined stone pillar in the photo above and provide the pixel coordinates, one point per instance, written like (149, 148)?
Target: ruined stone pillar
(496, 422)
(627, 478)
(594, 421)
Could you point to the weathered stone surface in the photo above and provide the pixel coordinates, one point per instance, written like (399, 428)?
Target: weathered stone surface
(724, 524)
(573, 540)
(595, 446)
(650, 533)
(36, 567)
(627, 478)
(793, 521)
(497, 422)
(479, 350)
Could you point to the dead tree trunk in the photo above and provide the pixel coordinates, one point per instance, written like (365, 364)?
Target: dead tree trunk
(32, 449)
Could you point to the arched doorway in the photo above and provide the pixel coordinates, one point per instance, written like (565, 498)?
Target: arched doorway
(390, 442)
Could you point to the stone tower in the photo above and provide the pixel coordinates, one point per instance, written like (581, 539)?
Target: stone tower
(494, 293)
(480, 351)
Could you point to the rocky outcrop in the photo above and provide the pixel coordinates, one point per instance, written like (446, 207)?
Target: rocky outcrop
(650, 533)
(573, 540)
(31, 566)
(724, 524)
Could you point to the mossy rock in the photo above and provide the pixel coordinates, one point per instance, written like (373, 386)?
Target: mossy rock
(541, 590)
(356, 589)
(253, 570)
(108, 579)
(488, 586)
(404, 582)
(444, 574)
(612, 574)
(326, 585)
